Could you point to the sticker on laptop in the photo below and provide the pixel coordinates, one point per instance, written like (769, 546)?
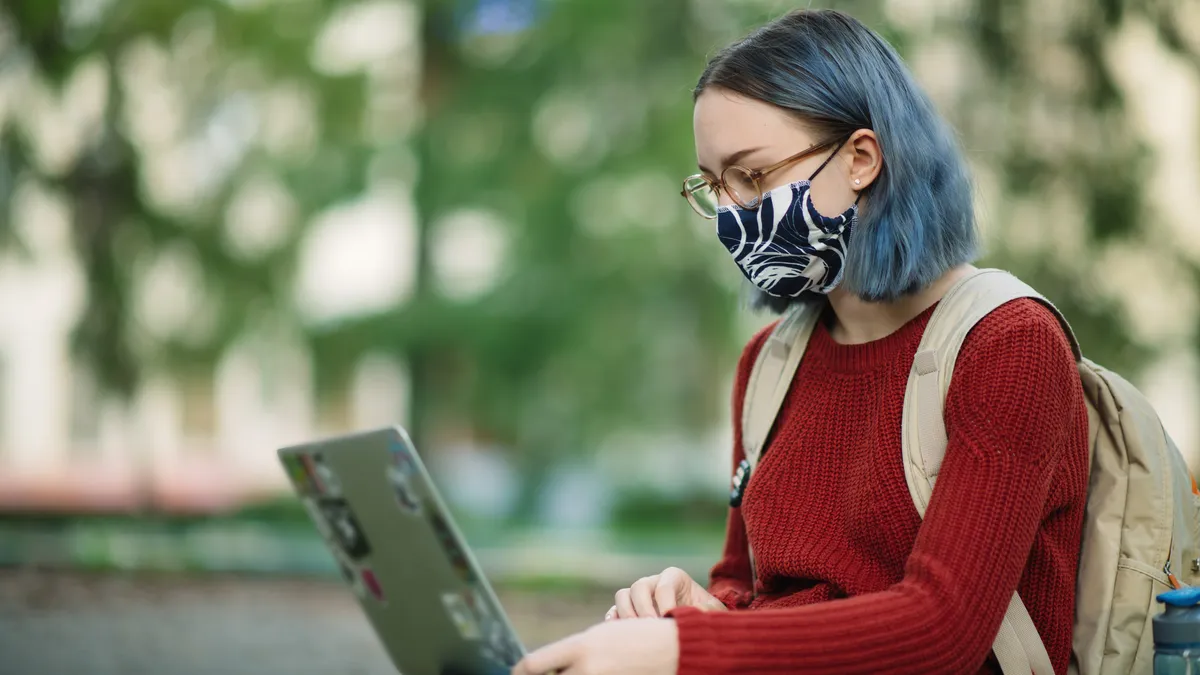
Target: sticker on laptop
(314, 479)
(461, 616)
(458, 558)
(346, 530)
(350, 573)
(346, 570)
(318, 517)
(497, 640)
(499, 648)
(400, 475)
(327, 480)
(371, 584)
(474, 598)
(298, 473)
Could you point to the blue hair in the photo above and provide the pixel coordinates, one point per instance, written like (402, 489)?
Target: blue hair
(916, 221)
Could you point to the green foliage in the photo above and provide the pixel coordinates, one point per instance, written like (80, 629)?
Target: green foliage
(650, 511)
(212, 57)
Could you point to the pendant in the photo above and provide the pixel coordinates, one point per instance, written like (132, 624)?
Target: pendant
(741, 478)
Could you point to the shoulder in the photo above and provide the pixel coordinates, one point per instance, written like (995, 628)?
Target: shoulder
(1024, 328)
(754, 346)
(1015, 371)
(746, 364)
(1016, 391)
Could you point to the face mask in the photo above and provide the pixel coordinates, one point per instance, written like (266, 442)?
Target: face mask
(785, 246)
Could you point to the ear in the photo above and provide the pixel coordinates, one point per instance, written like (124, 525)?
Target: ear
(865, 159)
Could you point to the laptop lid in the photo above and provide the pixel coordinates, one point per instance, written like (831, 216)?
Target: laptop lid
(398, 548)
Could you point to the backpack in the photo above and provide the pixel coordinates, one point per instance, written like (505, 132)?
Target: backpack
(1142, 525)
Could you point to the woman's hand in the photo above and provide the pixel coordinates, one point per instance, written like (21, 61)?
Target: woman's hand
(656, 595)
(639, 647)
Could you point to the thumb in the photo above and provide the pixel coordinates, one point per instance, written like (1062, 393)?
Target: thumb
(549, 659)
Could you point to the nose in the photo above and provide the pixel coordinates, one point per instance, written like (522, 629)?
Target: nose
(723, 198)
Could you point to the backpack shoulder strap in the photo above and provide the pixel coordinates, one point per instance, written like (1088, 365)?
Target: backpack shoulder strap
(772, 375)
(1018, 647)
(975, 296)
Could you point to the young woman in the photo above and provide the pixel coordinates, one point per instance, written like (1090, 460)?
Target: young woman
(813, 127)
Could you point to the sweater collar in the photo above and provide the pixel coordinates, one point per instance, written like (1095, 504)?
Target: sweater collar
(868, 355)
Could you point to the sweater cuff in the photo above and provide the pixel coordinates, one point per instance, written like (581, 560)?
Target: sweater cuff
(698, 643)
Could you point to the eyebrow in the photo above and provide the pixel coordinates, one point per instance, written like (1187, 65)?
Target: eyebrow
(740, 154)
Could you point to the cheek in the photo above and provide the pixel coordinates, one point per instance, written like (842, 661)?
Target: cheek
(830, 197)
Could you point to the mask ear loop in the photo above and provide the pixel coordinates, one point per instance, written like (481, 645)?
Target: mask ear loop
(857, 197)
(828, 159)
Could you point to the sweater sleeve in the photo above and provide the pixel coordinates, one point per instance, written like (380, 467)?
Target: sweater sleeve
(1013, 402)
(730, 579)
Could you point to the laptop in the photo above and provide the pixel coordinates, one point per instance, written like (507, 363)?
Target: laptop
(397, 547)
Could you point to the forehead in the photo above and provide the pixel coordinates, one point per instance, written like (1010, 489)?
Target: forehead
(725, 123)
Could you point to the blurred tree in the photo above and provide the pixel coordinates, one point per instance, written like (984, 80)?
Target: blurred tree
(1044, 109)
(563, 126)
(186, 92)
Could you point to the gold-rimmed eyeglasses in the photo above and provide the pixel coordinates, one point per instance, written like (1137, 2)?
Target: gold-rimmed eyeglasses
(744, 186)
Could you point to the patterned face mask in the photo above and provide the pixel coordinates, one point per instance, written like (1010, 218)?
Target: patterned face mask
(785, 246)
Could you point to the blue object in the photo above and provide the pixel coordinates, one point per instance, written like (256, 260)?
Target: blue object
(1177, 633)
(1176, 661)
(1181, 597)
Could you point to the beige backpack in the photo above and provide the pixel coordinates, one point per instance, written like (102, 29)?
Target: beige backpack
(1142, 527)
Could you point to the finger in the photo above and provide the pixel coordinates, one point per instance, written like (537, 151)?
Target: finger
(642, 596)
(612, 614)
(549, 659)
(624, 605)
(665, 595)
(679, 584)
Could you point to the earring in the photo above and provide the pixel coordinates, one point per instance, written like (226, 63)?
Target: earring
(858, 181)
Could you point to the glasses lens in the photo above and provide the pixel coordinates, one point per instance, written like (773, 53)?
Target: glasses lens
(701, 196)
(743, 189)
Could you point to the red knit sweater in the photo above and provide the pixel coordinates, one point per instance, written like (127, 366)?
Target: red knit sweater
(850, 579)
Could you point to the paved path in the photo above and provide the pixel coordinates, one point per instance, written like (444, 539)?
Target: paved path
(75, 624)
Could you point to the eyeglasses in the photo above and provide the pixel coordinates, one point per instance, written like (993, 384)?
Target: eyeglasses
(744, 186)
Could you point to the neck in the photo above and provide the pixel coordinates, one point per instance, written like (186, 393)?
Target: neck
(858, 321)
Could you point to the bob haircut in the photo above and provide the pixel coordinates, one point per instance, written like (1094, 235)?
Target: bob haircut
(836, 75)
